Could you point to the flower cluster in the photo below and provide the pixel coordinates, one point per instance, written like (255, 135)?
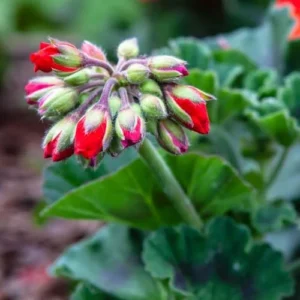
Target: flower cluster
(99, 108)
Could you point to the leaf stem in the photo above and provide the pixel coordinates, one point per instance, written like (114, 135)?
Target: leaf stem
(169, 184)
(278, 167)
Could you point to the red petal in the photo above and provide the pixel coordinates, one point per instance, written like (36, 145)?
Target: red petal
(49, 148)
(197, 112)
(44, 45)
(89, 144)
(57, 156)
(132, 137)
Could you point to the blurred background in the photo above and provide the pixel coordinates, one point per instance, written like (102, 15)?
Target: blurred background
(25, 248)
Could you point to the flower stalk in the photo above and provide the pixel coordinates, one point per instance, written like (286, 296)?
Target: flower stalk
(169, 184)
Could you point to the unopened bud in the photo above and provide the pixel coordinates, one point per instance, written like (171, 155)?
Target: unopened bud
(172, 137)
(93, 50)
(39, 86)
(57, 102)
(114, 103)
(78, 78)
(137, 73)
(151, 87)
(153, 107)
(116, 147)
(128, 48)
(167, 68)
(58, 143)
(73, 61)
(129, 127)
(188, 106)
(93, 132)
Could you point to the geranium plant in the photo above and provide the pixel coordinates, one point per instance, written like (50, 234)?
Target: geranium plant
(176, 226)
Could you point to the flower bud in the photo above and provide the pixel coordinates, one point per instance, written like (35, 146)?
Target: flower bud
(93, 132)
(153, 107)
(116, 147)
(167, 68)
(172, 137)
(130, 127)
(188, 106)
(43, 58)
(57, 102)
(114, 103)
(69, 61)
(39, 86)
(128, 49)
(136, 73)
(58, 143)
(78, 78)
(151, 87)
(93, 50)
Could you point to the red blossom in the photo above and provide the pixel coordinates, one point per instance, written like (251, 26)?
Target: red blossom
(42, 59)
(90, 143)
(198, 114)
(50, 150)
(133, 135)
(191, 108)
(295, 14)
(32, 87)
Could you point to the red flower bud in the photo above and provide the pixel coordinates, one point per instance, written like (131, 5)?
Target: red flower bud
(93, 132)
(58, 143)
(172, 137)
(167, 68)
(39, 86)
(188, 106)
(43, 59)
(130, 127)
(93, 50)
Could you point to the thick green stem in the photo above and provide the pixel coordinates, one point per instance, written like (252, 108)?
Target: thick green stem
(278, 167)
(169, 184)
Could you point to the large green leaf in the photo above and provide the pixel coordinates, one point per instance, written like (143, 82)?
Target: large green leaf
(196, 53)
(134, 196)
(263, 81)
(231, 102)
(203, 80)
(280, 126)
(62, 177)
(110, 261)
(222, 264)
(288, 176)
(267, 44)
(234, 57)
(88, 292)
(274, 216)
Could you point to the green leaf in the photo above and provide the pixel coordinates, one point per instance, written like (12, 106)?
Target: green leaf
(274, 216)
(280, 126)
(196, 53)
(203, 80)
(290, 95)
(228, 75)
(289, 176)
(62, 177)
(234, 57)
(263, 81)
(230, 103)
(88, 292)
(110, 261)
(137, 199)
(267, 44)
(222, 264)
